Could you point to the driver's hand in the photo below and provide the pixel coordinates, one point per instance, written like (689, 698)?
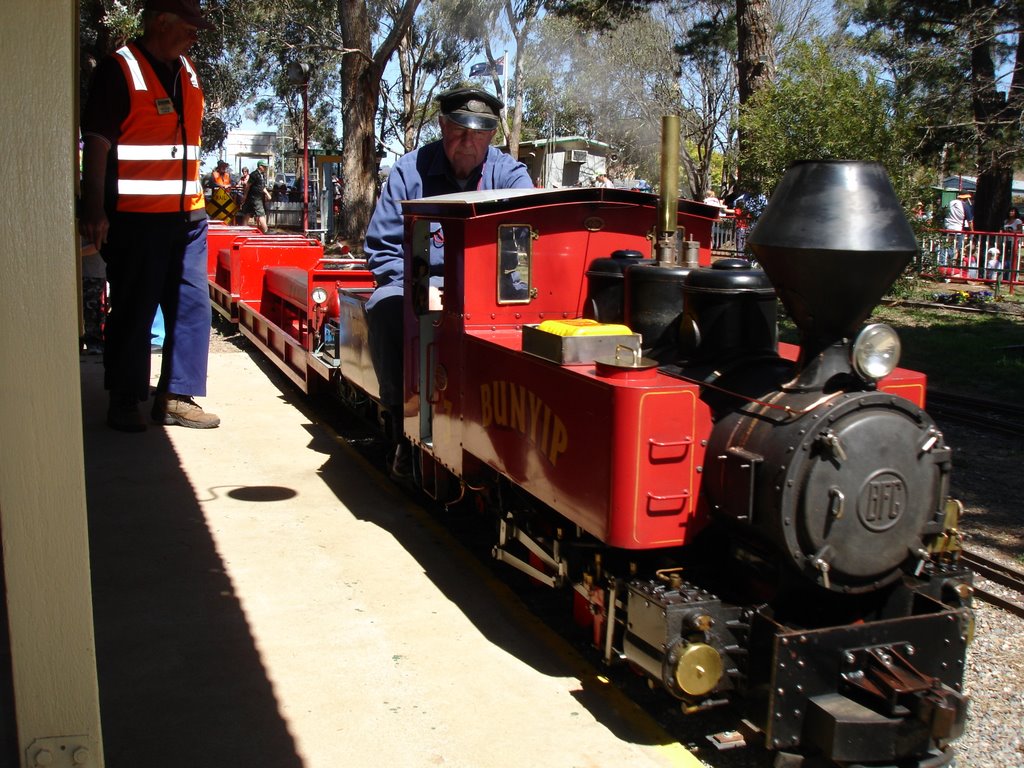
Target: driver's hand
(434, 299)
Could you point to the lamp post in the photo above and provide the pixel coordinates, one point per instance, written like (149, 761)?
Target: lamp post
(298, 74)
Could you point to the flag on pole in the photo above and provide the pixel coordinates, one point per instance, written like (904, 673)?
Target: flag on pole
(484, 69)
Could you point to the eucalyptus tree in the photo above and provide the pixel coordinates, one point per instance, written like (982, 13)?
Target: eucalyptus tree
(362, 71)
(280, 36)
(705, 42)
(515, 20)
(618, 79)
(431, 57)
(755, 25)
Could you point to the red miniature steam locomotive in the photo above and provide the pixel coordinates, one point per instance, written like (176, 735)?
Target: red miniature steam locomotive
(740, 519)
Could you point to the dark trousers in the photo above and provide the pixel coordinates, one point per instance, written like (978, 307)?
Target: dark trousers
(386, 337)
(156, 260)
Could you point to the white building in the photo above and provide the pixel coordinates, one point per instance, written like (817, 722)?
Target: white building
(565, 161)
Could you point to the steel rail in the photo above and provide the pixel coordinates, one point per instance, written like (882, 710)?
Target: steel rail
(1007, 577)
(994, 416)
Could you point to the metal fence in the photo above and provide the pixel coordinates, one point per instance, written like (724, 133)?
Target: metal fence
(728, 238)
(989, 257)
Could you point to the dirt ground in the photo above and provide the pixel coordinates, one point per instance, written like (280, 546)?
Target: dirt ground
(989, 479)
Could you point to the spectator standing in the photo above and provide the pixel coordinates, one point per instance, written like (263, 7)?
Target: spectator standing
(1013, 222)
(959, 219)
(1014, 225)
(280, 191)
(143, 207)
(462, 160)
(255, 197)
(337, 196)
(222, 176)
(748, 207)
(993, 263)
(238, 193)
(603, 181)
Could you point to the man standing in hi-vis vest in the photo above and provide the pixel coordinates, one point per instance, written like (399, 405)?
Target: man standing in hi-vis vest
(143, 207)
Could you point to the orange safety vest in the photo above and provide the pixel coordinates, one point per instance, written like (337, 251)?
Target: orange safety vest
(222, 179)
(158, 154)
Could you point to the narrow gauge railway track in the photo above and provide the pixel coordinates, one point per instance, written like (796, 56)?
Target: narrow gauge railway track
(1005, 418)
(1008, 578)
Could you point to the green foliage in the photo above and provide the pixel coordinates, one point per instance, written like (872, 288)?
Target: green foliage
(260, 43)
(600, 15)
(906, 284)
(820, 108)
(123, 20)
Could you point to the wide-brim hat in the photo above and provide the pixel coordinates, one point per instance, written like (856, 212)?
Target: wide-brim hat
(187, 10)
(471, 108)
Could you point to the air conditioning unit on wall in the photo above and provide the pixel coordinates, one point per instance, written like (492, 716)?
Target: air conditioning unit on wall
(576, 155)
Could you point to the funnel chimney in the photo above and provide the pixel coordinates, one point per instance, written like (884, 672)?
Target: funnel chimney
(832, 239)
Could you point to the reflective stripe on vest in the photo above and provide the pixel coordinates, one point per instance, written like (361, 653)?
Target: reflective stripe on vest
(154, 151)
(158, 172)
(138, 81)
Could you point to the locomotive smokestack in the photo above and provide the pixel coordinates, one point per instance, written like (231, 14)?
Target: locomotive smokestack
(832, 239)
(668, 203)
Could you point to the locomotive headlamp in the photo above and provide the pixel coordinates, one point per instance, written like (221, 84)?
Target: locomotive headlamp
(876, 351)
(319, 295)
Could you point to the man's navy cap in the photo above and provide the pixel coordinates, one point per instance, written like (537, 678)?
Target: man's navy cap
(471, 108)
(188, 10)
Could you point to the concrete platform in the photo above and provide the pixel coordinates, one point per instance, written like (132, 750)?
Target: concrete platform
(264, 600)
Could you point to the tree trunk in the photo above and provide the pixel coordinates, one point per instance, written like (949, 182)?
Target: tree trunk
(361, 73)
(997, 122)
(755, 65)
(755, 61)
(359, 92)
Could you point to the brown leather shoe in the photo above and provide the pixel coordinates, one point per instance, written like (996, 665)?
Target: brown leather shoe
(182, 410)
(123, 413)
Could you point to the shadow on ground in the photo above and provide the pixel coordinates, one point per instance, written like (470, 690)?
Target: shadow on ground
(181, 680)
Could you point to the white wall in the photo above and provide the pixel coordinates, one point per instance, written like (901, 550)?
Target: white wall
(42, 484)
